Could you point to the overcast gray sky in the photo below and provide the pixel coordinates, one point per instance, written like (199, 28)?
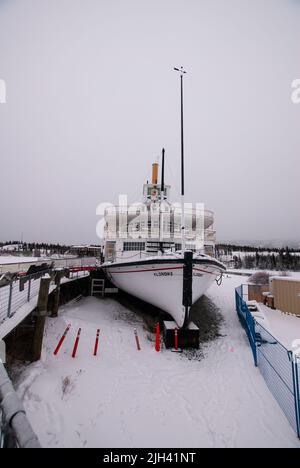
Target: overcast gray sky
(92, 98)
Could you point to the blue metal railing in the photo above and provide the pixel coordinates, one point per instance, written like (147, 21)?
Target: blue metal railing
(246, 320)
(278, 366)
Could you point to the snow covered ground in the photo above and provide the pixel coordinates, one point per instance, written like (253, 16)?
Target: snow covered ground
(11, 259)
(244, 272)
(129, 398)
(13, 264)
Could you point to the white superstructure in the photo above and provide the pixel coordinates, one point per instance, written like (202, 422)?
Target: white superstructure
(143, 251)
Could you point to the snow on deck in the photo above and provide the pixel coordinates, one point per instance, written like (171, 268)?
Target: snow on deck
(126, 398)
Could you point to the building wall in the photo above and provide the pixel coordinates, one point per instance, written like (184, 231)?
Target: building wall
(255, 292)
(286, 294)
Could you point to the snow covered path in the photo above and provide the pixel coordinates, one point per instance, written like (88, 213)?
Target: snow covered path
(126, 398)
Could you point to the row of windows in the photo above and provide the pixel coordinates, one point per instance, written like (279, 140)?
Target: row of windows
(140, 246)
(188, 246)
(134, 246)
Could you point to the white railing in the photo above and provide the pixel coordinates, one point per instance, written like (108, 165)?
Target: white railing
(12, 297)
(75, 262)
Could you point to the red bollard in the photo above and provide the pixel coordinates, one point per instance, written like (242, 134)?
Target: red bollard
(157, 339)
(176, 339)
(76, 343)
(96, 343)
(61, 340)
(137, 340)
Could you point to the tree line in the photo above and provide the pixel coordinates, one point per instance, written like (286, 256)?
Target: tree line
(27, 247)
(262, 259)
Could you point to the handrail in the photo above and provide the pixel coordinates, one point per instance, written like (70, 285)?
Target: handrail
(14, 425)
(58, 263)
(137, 210)
(18, 292)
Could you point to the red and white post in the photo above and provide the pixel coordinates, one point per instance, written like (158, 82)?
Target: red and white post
(157, 338)
(61, 340)
(137, 340)
(96, 342)
(176, 348)
(76, 343)
(176, 339)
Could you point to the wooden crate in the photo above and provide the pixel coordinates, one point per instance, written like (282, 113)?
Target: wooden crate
(255, 292)
(187, 337)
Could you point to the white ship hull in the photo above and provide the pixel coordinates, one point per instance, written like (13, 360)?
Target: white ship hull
(159, 281)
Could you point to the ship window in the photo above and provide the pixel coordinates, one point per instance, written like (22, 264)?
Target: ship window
(134, 246)
(191, 247)
(188, 247)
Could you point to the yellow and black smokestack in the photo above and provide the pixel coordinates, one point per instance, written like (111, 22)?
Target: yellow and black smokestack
(155, 173)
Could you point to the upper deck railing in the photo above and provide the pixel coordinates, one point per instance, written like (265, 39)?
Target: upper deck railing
(143, 209)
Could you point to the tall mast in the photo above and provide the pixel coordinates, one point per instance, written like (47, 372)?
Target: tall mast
(163, 174)
(162, 196)
(182, 72)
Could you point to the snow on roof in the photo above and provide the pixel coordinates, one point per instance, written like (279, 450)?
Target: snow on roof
(86, 247)
(11, 247)
(10, 259)
(285, 278)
